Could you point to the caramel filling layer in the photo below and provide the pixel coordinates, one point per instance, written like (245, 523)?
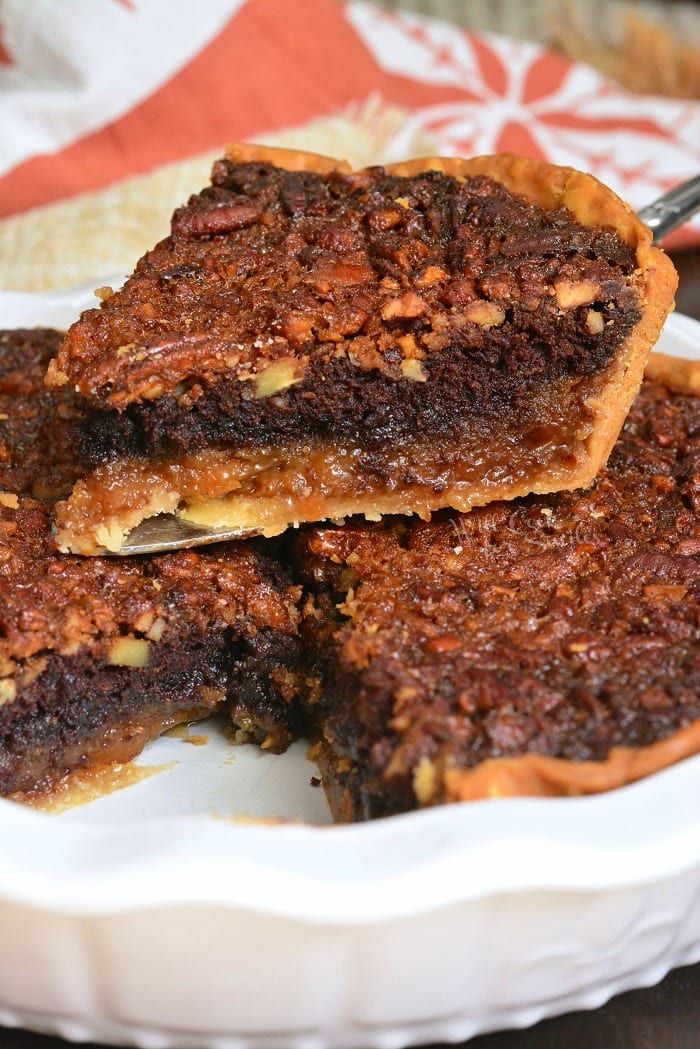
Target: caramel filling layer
(264, 491)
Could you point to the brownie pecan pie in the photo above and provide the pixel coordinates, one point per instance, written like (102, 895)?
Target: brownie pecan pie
(312, 342)
(547, 645)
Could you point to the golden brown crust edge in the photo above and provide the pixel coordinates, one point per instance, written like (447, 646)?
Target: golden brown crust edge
(288, 159)
(538, 775)
(591, 203)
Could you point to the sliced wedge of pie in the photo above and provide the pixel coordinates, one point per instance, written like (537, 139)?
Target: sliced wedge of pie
(312, 342)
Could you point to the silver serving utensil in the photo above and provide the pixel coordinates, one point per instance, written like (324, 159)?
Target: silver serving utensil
(669, 212)
(167, 532)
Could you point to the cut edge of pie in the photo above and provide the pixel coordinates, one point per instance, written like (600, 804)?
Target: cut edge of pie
(528, 774)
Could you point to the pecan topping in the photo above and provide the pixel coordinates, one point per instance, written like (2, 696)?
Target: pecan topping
(215, 220)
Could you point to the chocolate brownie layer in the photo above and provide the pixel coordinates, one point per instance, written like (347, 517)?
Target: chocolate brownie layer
(321, 312)
(458, 658)
(97, 656)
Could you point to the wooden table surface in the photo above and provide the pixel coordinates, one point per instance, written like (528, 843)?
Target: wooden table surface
(663, 1017)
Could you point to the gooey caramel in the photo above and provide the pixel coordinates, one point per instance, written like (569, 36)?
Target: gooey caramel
(266, 490)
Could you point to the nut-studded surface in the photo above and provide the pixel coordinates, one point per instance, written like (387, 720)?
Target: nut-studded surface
(365, 306)
(98, 656)
(562, 626)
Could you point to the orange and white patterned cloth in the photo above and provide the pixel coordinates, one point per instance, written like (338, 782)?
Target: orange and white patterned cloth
(97, 91)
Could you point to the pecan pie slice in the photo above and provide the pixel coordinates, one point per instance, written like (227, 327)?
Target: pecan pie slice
(312, 342)
(548, 645)
(97, 656)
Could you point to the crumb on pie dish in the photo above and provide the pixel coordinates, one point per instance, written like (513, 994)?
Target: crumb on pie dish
(313, 343)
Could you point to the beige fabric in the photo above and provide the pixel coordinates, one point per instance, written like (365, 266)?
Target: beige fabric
(649, 59)
(531, 19)
(96, 235)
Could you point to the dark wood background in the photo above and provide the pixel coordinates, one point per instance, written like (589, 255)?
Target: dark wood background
(663, 1017)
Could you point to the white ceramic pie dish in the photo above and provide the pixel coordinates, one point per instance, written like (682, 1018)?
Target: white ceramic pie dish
(157, 917)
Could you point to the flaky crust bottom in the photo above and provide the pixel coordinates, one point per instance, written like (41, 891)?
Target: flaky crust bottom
(267, 490)
(116, 745)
